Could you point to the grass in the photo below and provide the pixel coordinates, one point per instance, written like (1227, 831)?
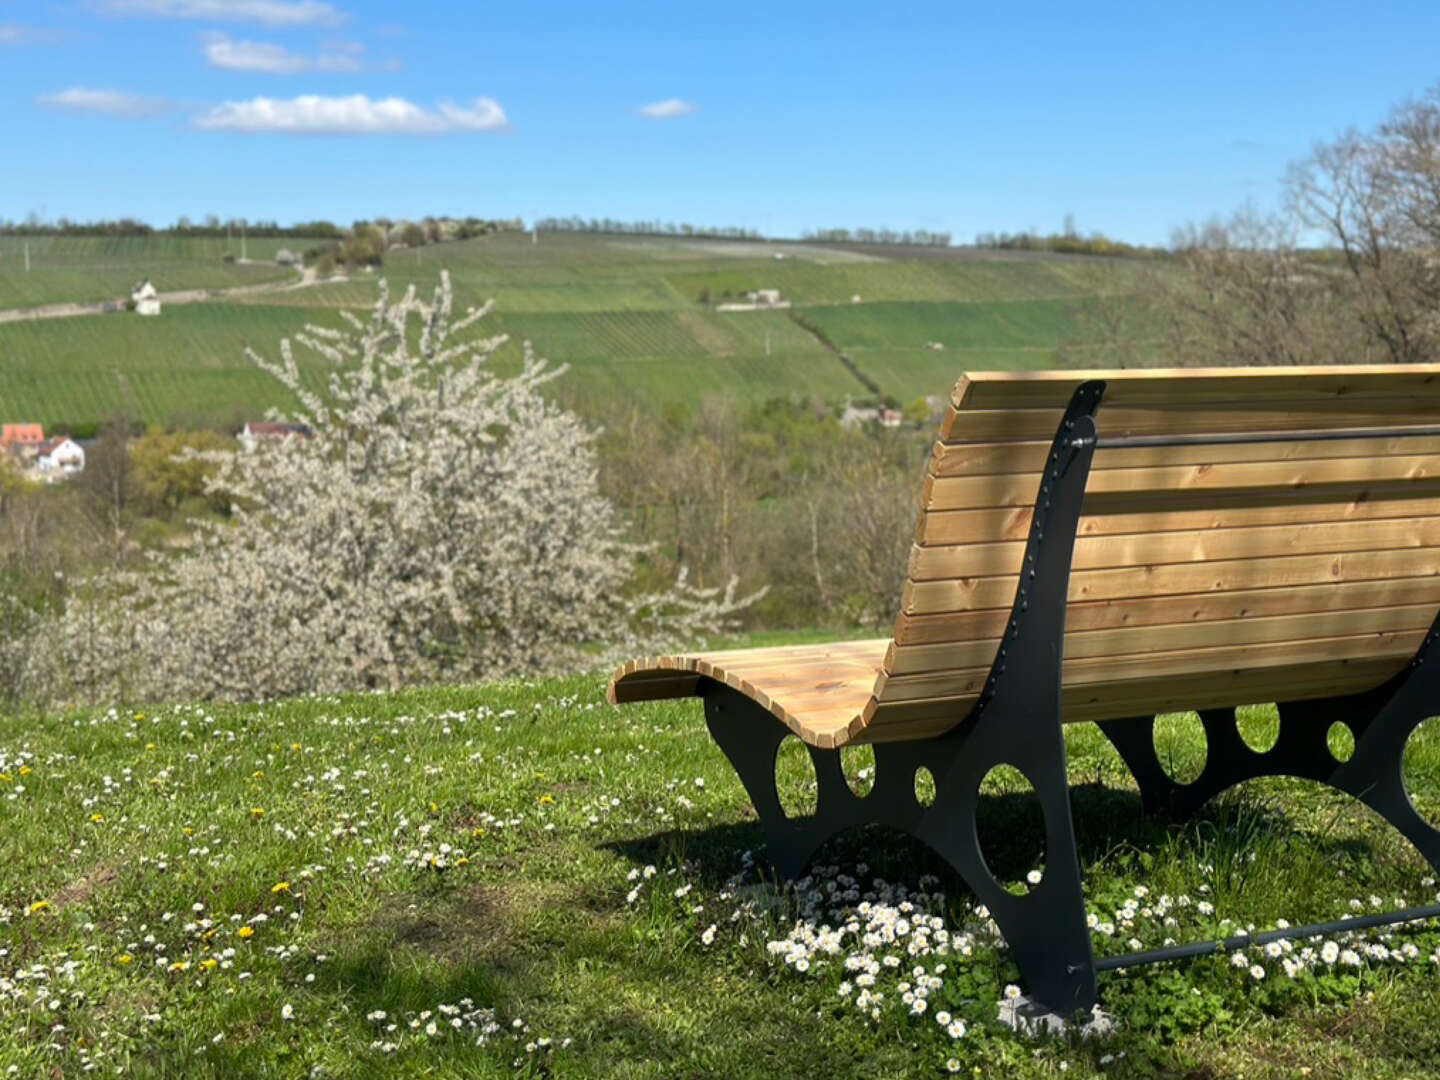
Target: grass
(91, 268)
(622, 312)
(186, 367)
(207, 891)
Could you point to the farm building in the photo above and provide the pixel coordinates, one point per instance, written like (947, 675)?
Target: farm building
(756, 300)
(256, 432)
(59, 457)
(145, 298)
(22, 439)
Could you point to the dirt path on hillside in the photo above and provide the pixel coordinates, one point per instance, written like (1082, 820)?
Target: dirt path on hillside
(306, 279)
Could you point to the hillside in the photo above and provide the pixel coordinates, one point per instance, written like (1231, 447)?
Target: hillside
(633, 317)
(516, 880)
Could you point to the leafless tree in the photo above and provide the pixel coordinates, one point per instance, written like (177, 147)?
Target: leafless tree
(1375, 196)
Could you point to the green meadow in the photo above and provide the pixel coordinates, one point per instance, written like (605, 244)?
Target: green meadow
(86, 269)
(519, 880)
(626, 315)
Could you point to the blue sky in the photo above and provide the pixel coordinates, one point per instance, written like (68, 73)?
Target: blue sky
(953, 116)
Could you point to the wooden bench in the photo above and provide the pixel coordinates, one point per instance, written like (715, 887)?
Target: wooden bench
(1208, 539)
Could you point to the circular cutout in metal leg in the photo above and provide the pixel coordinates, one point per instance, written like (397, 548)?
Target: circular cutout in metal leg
(924, 786)
(1009, 823)
(795, 781)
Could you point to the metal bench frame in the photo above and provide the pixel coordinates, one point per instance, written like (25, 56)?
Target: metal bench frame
(1017, 721)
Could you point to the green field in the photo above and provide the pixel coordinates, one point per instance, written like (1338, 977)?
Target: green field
(623, 313)
(86, 269)
(519, 880)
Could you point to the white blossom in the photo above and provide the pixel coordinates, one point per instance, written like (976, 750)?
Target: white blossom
(436, 520)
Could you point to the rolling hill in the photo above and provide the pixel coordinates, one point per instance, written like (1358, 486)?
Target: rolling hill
(633, 317)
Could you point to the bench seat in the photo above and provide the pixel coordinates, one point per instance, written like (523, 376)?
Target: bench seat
(820, 692)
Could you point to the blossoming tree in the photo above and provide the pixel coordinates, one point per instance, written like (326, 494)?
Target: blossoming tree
(429, 519)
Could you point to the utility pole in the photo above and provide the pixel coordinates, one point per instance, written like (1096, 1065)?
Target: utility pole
(27, 256)
(242, 241)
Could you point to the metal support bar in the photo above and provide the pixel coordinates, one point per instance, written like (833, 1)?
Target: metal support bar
(1015, 721)
(1291, 933)
(1121, 442)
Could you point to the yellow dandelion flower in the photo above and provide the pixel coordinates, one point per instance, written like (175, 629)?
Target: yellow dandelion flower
(245, 933)
(4, 777)
(547, 800)
(477, 833)
(434, 808)
(462, 861)
(38, 906)
(180, 965)
(139, 716)
(149, 746)
(25, 770)
(256, 812)
(187, 831)
(124, 958)
(209, 935)
(280, 886)
(97, 818)
(209, 963)
(295, 746)
(258, 774)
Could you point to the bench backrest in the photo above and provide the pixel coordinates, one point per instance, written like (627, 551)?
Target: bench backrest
(1203, 575)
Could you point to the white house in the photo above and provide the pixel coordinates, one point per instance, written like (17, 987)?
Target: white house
(59, 457)
(145, 298)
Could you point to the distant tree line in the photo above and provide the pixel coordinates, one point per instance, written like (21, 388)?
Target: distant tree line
(918, 237)
(428, 230)
(1067, 243)
(365, 242)
(644, 228)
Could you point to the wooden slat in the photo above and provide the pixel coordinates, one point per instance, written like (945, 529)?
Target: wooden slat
(1019, 489)
(1147, 697)
(1137, 640)
(989, 458)
(1201, 510)
(1323, 598)
(987, 425)
(1160, 665)
(1195, 546)
(958, 594)
(1301, 385)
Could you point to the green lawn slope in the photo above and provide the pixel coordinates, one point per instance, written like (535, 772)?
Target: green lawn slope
(517, 879)
(625, 313)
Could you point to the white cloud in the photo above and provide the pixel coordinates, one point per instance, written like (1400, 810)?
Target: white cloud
(265, 12)
(356, 114)
(269, 59)
(667, 109)
(105, 102)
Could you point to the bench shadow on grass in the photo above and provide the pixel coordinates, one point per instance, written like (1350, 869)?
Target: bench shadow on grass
(1107, 821)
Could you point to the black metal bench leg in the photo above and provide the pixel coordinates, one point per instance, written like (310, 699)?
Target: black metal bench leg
(1045, 927)
(750, 737)
(1016, 722)
(1381, 721)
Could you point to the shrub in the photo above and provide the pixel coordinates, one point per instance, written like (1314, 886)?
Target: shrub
(438, 521)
